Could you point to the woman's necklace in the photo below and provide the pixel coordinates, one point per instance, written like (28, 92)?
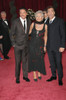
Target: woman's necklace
(38, 26)
(37, 33)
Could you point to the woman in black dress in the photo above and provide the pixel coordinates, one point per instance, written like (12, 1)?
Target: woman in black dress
(37, 45)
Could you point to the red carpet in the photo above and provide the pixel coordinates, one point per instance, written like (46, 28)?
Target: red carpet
(40, 90)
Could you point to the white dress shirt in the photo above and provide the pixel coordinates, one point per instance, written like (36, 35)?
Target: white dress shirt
(50, 21)
(46, 20)
(22, 21)
(5, 22)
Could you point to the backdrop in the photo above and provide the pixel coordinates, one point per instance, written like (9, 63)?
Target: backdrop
(35, 5)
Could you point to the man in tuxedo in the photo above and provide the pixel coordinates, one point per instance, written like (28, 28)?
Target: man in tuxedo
(46, 19)
(19, 30)
(1, 45)
(4, 31)
(55, 44)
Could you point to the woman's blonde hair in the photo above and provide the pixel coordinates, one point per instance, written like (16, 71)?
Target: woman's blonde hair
(39, 11)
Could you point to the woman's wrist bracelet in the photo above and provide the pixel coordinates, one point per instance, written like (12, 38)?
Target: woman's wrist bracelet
(44, 45)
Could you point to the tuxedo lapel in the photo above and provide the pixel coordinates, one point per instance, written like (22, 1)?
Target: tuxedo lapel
(21, 24)
(4, 24)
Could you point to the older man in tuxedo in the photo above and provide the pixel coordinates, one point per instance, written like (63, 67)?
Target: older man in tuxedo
(4, 31)
(19, 38)
(55, 44)
(1, 45)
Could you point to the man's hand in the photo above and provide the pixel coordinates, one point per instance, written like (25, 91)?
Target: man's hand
(1, 37)
(61, 49)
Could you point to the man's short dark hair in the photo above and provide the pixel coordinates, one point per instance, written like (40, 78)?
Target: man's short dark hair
(50, 7)
(23, 8)
(45, 10)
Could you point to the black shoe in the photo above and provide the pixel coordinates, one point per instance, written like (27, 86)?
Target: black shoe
(40, 77)
(26, 79)
(60, 82)
(35, 80)
(6, 57)
(51, 79)
(17, 81)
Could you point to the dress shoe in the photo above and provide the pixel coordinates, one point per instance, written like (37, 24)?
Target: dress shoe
(52, 78)
(60, 82)
(40, 77)
(35, 80)
(6, 57)
(17, 81)
(26, 79)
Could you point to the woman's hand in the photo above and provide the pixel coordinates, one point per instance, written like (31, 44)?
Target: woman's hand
(61, 49)
(45, 49)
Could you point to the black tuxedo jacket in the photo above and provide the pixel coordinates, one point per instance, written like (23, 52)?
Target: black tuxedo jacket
(56, 35)
(4, 31)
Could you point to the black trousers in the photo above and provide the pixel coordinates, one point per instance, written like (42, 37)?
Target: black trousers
(55, 58)
(21, 55)
(6, 46)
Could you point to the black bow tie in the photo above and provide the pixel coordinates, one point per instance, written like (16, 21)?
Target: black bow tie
(4, 20)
